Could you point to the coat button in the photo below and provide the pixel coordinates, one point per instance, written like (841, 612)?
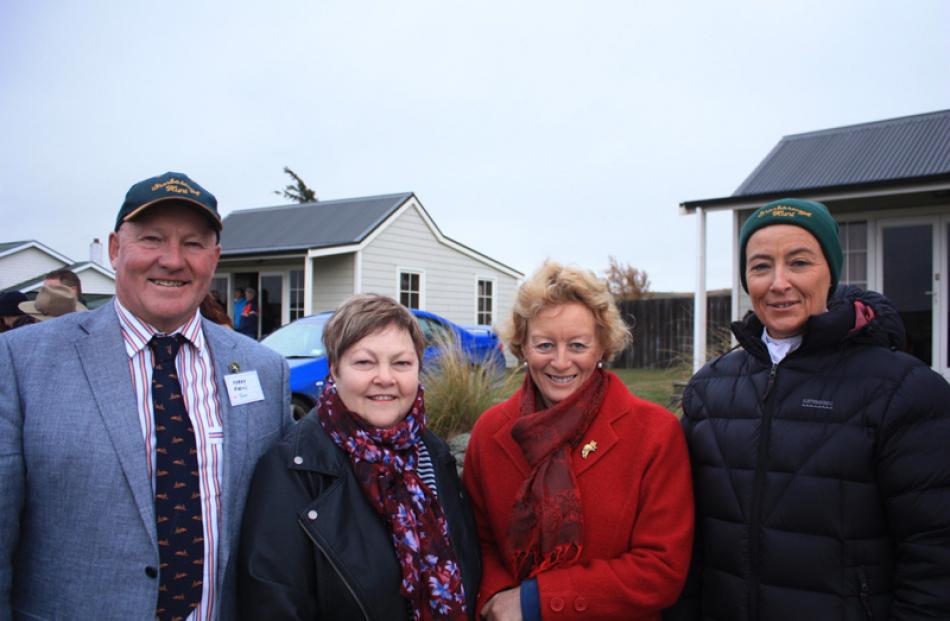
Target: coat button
(557, 604)
(580, 604)
(298, 460)
(312, 514)
(151, 572)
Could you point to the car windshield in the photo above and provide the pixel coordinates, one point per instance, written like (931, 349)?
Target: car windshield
(300, 339)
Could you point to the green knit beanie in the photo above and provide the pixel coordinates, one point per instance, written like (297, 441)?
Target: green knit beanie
(810, 215)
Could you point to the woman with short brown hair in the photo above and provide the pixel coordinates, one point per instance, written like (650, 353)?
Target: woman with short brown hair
(358, 512)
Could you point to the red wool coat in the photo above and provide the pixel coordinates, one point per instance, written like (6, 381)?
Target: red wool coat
(638, 510)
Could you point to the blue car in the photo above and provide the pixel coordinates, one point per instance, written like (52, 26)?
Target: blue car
(301, 343)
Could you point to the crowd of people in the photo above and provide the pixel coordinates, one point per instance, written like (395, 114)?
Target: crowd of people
(149, 467)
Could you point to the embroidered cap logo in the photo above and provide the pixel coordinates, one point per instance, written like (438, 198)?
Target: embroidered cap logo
(176, 186)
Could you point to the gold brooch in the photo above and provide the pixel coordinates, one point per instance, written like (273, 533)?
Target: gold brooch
(589, 448)
(235, 367)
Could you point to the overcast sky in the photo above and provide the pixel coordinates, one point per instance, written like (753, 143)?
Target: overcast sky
(527, 129)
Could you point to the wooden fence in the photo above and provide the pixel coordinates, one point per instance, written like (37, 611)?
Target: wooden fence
(663, 329)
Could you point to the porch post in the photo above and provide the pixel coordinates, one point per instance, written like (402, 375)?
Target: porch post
(357, 272)
(699, 298)
(307, 285)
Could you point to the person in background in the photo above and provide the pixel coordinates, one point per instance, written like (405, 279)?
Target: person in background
(239, 303)
(128, 434)
(52, 301)
(10, 309)
(219, 298)
(249, 315)
(358, 513)
(581, 490)
(212, 308)
(25, 320)
(819, 450)
(68, 278)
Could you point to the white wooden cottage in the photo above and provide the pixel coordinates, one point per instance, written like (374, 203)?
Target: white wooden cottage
(308, 258)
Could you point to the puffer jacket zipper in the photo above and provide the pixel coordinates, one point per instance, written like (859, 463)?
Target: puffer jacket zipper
(865, 592)
(336, 568)
(758, 487)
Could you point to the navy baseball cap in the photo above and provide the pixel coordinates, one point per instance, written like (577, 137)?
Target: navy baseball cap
(172, 186)
(10, 303)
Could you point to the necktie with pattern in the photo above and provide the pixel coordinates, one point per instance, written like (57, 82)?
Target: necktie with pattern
(177, 501)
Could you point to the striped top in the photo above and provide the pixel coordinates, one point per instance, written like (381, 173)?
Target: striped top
(196, 375)
(425, 470)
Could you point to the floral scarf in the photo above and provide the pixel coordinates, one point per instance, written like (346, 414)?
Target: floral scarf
(384, 461)
(546, 527)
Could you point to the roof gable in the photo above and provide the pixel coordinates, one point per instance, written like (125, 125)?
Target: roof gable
(4, 246)
(33, 284)
(310, 225)
(895, 149)
(9, 248)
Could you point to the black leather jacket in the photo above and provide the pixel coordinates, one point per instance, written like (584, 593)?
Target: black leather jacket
(313, 548)
(822, 482)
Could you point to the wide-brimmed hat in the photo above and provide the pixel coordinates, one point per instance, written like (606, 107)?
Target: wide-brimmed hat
(52, 301)
(10, 303)
(172, 186)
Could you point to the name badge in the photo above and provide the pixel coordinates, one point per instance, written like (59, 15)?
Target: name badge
(244, 388)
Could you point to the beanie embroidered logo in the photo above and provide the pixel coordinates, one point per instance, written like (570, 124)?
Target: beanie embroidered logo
(783, 211)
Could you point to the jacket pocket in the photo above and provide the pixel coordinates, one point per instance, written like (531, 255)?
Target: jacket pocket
(864, 592)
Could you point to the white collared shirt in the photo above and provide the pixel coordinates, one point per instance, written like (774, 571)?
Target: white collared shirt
(196, 375)
(779, 348)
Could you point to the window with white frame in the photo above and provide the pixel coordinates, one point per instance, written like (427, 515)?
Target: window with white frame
(410, 289)
(296, 294)
(854, 243)
(485, 302)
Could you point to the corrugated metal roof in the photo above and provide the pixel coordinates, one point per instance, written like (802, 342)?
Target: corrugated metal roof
(894, 149)
(310, 225)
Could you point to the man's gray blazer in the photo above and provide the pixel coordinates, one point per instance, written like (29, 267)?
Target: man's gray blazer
(77, 521)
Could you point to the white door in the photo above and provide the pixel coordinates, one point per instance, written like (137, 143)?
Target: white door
(911, 255)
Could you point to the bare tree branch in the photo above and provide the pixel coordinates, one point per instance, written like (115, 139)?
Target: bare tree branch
(626, 282)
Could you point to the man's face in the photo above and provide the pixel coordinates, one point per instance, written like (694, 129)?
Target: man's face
(57, 281)
(164, 261)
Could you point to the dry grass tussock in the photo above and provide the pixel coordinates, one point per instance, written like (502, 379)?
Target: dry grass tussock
(457, 392)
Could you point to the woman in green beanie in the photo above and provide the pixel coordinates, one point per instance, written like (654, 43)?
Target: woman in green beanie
(819, 450)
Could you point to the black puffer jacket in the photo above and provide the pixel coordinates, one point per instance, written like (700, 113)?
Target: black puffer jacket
(823, 482)
(312, 547)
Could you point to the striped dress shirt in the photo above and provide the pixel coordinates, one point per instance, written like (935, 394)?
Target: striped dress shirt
(196, 375)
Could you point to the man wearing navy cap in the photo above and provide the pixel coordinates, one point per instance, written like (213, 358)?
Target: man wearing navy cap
(128, 434)
(10, 309)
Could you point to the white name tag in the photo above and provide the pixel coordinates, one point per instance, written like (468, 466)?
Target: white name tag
(244, 388)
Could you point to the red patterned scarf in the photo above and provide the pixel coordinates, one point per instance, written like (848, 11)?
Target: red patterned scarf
(546, 526)
(384, 461)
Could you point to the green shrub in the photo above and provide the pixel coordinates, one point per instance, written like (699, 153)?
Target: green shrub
(457, 392)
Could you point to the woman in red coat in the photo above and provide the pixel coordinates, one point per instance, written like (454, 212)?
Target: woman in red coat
(581, 490)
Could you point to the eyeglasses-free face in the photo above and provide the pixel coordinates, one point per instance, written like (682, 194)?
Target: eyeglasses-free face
(562, 350)
(788, 278)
